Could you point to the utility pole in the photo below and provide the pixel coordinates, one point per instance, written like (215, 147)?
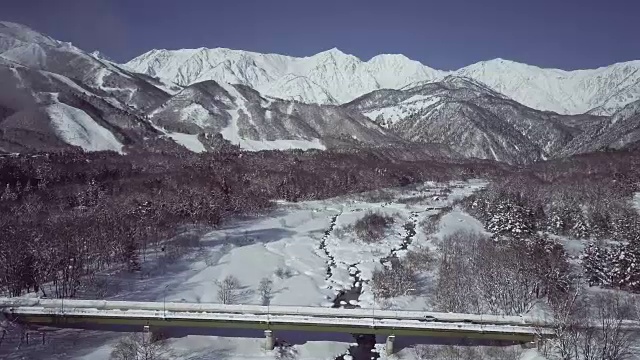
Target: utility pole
(373, 309)
(164, 303)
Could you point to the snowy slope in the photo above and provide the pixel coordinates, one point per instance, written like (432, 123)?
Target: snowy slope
(288, 102)
(245, 118)
(45, 111)
(620, 131)
(77, 128)
(189, 141)
(21, 45)
(471, 119)
(332, 76)
(605, 90)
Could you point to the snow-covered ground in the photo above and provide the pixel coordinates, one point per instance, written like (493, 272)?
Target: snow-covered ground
(75, 127)
(284, 144)
(189, 141)
(283, 246)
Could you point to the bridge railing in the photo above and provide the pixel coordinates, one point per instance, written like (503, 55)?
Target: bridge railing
(270, 310)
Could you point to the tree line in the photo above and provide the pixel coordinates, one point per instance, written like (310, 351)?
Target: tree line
(587, 199)
(68, 215)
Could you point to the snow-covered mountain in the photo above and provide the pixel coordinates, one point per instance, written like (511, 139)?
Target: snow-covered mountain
(329, 77)
(21, 45)
(45, 111)
(471, 119)
(247, 119)
(620, 131)
(54, 95)
(599, 91)
(334, 77)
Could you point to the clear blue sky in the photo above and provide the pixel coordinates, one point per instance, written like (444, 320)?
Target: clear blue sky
(445, 34)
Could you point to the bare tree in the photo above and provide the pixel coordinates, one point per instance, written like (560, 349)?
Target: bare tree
(394, 280)
(140, 346)
(286, 351)
(283, 272)
(567, 316)
(592, 328)
(431, 223)
(455, 288)
(265, 289)
(501, 276)
(611, 311)
(4, 327)
(229, 290)
(420, 259)
(371, 227)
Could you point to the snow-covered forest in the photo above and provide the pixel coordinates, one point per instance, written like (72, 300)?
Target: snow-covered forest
(558, 240)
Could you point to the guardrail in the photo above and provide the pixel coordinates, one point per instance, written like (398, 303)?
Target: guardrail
(63, 304)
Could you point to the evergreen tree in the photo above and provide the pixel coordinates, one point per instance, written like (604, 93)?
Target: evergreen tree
(131, 256)
(581, 229)
(8, 194)
(28, 188)
(615, 266)
(595, 262)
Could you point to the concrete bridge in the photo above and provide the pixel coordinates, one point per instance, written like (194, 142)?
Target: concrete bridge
(154, 316)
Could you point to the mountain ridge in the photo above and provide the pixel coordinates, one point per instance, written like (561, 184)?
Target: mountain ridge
(472, 119)
(603, 90)
(54, 95)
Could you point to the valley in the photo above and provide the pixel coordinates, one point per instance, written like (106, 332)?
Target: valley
(498, 190)
(288, 242)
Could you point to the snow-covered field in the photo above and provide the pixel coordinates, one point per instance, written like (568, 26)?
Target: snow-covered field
(284, 246)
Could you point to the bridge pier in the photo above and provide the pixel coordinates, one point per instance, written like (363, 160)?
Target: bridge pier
(152, 335)
(269, 344)
(535, 344)
(389, 346)
(146, 333)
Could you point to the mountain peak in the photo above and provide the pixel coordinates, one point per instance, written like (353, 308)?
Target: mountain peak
(333, 52)
(398, 61)
(499, 62)
(26, 34)
(345, 77)
(100, 56)
(392, 57)
(502, 60)
(14, 26)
